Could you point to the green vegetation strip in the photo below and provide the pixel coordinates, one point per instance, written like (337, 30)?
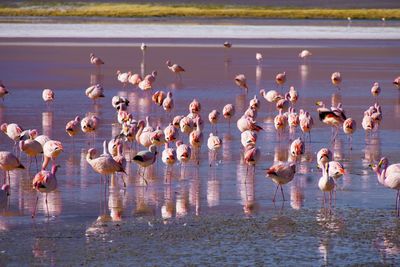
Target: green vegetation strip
(82, 9)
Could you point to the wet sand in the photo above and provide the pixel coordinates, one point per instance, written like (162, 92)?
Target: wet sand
(204, 215)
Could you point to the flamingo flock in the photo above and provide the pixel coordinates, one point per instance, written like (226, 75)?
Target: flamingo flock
(181, 139)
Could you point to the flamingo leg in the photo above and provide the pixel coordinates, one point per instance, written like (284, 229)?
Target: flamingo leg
(397, 203)
(276, 190)
(9, 178)
(283, 195)
(123, 180)
(47, 207)
(34, 210)
(37, 168)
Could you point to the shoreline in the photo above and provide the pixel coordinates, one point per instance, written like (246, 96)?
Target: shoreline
(192, 10)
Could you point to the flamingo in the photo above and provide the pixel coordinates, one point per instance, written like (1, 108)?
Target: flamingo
(175, 68)
(45, 182)
(95, 60)
(158, 97)
(183, 153)
(4, 193)
(349, 127)
(248, 137)
(134, 79)
(9, 162)
(72, 127)
(186, 125)
(326, 183)
(120, 159)
(271, 96)
(280, 78)
(293, 120)
(375, 90)
(195, 106)
(31, 148)
(293, 95)
(297, 148)
(228, 112)
(241, 81)
(51, 150)
(196, 136)
(283, 104)
(118, 101)
(48, 96)
(227, 44)
(324, 155)
(123, 77)
(259, 57)
(213, 119)
(251, 156)
(333, 117)
(254, 103)
(280, 123)
(3, 90)
(42, 139)
(170, 133)
(246, 123)
(306, 122)
(168, 103)
(12, 130)
(103, 164)
(396, 82)
(305, 54)
(95, 92)
(214, 143)
(336, 79)
(143, 47)
(145, 159)
(389, 176)
(367, 123)
(281, 173)
(89, 125)
(168, 156)
(157, 137)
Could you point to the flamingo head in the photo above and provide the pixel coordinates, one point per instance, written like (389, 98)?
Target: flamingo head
(91, 55)
(92, 153)
(168, 62)
(384, 162)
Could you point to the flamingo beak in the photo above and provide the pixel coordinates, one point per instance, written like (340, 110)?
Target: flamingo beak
(342, 171)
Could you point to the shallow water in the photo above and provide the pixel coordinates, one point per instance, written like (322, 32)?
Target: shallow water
(204, 215)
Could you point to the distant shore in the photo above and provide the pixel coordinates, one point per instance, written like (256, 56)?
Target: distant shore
(132, 10)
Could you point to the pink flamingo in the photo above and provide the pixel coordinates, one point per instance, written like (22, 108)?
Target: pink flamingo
(123, 77)
(248, 137)
(13, 131)
(281, 173)
(213, 117)
(389, 176)
(326, 183)
(297, 148)
(241, 81)
(158, 97)
(336, 79)
(228, 112)
(145, 159)
(45, 182)
(169, 157)
(9, 162)
(95, 60)
(305, 54)
(175, 68)
(95, 92)
(72, 127)
(349, 127)
(195, 106)
(324, 155)
(280, 78)
(134, 79)
(171, 133)
(3, 90)
(214, 143)
(246, 123)
(32, 148)
(375, 90)
(48, 96)
(168, 103)
(89, 125)
(121, 160)
(306, 122)
(183, 154)
(51, 150)
(396, 82)
(251, 156)
(271, 96)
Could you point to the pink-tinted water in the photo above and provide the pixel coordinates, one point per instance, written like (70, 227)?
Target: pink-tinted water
(200, 191)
